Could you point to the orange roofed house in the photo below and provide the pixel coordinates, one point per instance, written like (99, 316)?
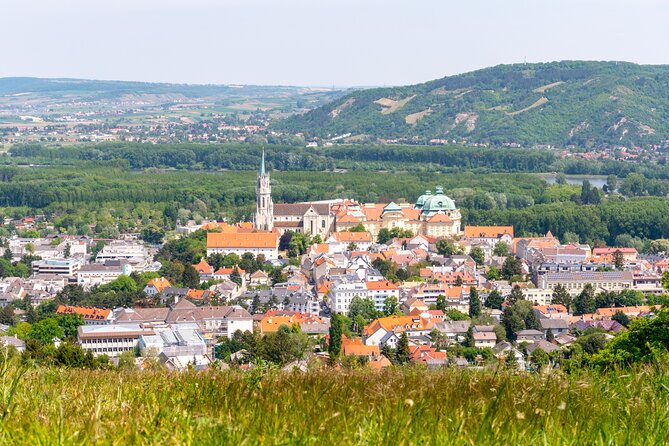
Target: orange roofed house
(490, 235)
(90, 315)
(386, 330)
(156, 286)
(339, 241)
(261, 242)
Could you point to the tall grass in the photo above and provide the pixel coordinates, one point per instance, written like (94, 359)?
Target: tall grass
(392, 407)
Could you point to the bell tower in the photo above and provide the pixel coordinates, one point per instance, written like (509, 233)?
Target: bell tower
(264, 219)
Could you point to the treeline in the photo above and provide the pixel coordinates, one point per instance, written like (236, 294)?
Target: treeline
(643, 218)
(240, 156)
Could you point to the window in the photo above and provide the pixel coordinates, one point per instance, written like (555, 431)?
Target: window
(323, 224)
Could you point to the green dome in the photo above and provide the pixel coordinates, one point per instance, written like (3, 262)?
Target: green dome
(421, 200)
(438, 202)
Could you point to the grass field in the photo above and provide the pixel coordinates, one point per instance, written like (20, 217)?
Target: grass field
(392, 407)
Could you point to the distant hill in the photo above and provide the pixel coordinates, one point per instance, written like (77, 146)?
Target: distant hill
(22, 85)
(560, 103)
(33, 93)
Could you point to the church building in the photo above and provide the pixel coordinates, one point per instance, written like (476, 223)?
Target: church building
(315, 218)
(433, 215)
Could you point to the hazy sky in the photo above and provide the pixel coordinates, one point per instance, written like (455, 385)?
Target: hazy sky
(318, 42)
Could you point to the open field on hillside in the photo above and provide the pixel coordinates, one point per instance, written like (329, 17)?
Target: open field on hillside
(399, 407)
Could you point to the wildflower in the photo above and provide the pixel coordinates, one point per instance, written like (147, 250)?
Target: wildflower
(520, 415)
(539, 411)
(408, 402)
(562, 406)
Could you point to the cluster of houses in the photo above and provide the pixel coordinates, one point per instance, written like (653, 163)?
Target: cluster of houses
(342, 266)
(71, 260)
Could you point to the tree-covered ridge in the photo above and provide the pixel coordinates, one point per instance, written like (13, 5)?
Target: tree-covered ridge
(560, 103)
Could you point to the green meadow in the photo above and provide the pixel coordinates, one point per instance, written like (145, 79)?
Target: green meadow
(399, 406)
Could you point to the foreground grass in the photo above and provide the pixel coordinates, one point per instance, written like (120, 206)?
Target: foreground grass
(393, 407)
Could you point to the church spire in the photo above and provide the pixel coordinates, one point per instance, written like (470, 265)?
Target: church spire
(262, 164)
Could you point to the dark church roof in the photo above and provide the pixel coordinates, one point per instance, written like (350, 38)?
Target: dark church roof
(287, 209)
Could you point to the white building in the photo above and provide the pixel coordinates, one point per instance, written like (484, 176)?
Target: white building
(62, 267)
(265, 243)
(100, 274)
(111, 340)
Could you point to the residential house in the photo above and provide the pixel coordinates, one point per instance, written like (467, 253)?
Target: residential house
(529, 336)
(156, 286)
(340, 241)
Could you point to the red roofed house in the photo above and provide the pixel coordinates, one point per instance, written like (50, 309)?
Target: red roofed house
(629, 254)
(90, 315)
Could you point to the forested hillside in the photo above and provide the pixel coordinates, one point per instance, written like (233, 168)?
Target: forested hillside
(562, 103)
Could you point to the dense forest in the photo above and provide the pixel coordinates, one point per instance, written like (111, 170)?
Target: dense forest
(560, 103)
(444, 159)
(109, 194)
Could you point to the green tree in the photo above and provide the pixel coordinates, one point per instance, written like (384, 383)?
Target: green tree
(447, 248)
(67, 252)
(153, 235)
(516, 295)
(493, 273)
(514, 316)
(474, 303)
(21, 331)
(230, 260)
(255, 304)
(621, 318)
(7, 315)
(358, 228)
(384, 236)
(501, 249)
(562, 297)
(402, 353)
(539, 358)
(512, 267)
(70, 323)
(45, 331)
(494, 300)
(585, 301)
(390, 306)
(612, 183)
(352, 247)
(127, 361)
(334, 345)
(122, 283)
(477, 254)
(236, 277)
(455, 315)
(190, 277)
(363, 307)
(532, 321)
(7, 255)
(441, 302)
(618, 259)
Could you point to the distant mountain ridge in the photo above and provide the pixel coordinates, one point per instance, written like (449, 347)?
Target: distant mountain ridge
(22, 85)
(560, 103)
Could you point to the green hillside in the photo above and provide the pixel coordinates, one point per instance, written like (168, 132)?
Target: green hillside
(560, 103)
